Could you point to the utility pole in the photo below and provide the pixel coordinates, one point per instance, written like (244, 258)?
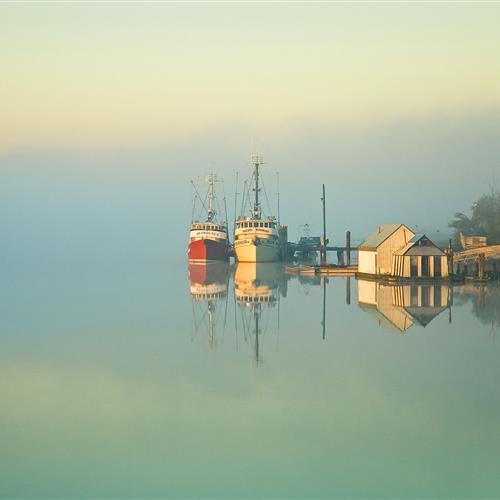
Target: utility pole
(323, 242)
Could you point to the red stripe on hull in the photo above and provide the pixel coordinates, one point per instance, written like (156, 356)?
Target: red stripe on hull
(206, 250)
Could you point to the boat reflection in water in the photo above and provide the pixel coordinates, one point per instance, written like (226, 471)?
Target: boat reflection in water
(208, 287)
(400, 306)
(257, 289)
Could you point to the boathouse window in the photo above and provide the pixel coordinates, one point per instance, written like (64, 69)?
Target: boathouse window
(437, 267)
(413, 266)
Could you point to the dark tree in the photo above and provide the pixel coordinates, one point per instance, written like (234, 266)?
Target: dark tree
(485, 219)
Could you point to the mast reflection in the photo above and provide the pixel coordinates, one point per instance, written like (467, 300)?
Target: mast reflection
(257, 288)
(208, 287)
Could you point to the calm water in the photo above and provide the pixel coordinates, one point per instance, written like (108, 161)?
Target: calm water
(149, 379)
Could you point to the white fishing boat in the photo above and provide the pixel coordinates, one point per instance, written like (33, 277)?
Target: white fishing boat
(257, 239)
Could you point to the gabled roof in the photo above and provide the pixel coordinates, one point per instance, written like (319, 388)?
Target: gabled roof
(380, 235)
(420, 244)
(424, 315)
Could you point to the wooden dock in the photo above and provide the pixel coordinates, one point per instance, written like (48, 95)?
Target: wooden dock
(478, 257)
(326, 269)
(490, 252)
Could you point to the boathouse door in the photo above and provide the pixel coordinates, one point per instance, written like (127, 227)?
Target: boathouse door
(425, 265)
(413, 266)
(437, 267)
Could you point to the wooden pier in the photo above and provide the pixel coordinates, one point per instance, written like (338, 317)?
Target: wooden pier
(478, 257)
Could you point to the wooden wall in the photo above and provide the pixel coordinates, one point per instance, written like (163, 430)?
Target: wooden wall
(385, 251)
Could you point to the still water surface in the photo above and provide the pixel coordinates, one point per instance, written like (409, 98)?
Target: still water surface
(159, 380)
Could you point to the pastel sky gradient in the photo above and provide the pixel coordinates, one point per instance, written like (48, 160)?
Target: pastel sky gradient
(107, 110)
(107, 74)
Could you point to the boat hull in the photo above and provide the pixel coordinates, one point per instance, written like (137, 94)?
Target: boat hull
(205, 250)
(257, 250)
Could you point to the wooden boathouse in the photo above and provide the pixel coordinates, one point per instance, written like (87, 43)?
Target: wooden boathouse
(420, 258)
(375, 254)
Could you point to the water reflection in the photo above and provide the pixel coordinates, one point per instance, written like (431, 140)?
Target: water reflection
(257, 291)
(401, 306)
(485, 300)
(208, 284)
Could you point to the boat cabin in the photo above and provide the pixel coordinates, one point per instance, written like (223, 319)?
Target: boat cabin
(207, 226)
(256, 224)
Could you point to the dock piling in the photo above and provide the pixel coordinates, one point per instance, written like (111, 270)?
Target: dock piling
(348, 248)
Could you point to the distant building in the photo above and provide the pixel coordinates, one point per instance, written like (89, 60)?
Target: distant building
(420, 258)
(473, 240)
(376, 252)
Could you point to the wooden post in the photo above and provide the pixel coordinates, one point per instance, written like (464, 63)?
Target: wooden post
(348, 248)
(450, 258)
(323, 323)
(348, 291)
(481, 266)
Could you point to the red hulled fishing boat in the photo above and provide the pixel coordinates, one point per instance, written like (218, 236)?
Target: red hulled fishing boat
(208, 240)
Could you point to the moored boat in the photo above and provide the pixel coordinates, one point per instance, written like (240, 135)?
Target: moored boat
(208, 240)
(257, 239)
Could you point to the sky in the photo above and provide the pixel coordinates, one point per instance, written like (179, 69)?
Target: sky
(395, 107)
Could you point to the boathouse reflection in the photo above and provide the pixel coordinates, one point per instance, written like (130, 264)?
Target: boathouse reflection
(401, 306)
(208, 285)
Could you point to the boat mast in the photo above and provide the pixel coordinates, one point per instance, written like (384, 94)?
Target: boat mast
(211, 179)
(257, 160)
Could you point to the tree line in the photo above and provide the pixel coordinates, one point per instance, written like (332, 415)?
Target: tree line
(483, 221)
